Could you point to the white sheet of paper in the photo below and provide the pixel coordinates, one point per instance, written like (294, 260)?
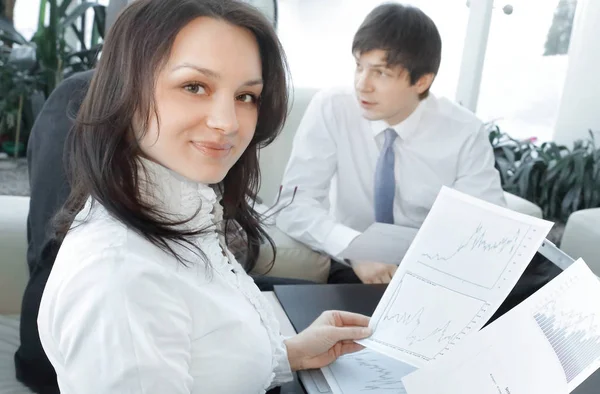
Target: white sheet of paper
(462, 264)
(380, 242)
(548, 344)
(366, 371)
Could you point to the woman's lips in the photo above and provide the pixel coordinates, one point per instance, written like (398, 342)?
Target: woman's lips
(213, 149)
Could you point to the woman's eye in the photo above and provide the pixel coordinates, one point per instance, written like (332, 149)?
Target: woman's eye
(247, 98)
(195, 88)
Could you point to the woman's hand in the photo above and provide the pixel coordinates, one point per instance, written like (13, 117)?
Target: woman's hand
(329, 337)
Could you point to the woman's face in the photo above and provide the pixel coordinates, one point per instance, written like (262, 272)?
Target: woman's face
(206, 100)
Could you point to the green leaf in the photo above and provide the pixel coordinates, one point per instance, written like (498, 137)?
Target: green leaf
(80, 36)
(62, 9)
(42, 15)
(77, 13)
(509, 154)
(9, 33)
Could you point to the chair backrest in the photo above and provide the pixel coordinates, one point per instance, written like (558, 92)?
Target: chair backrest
(13, 252)
(274, 158)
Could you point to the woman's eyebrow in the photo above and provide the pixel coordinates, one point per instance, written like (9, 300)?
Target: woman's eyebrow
(213, 74)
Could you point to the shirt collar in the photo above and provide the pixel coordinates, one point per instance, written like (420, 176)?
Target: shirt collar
(407, 127)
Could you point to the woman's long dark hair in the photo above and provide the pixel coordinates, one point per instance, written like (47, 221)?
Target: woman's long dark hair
(102, 153)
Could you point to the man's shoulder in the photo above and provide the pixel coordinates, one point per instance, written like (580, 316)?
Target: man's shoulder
(338, 97)
(449, 112)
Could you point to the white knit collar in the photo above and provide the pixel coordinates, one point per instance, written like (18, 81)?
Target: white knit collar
(178, 197)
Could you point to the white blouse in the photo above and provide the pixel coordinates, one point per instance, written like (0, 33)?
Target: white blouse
(119, 315)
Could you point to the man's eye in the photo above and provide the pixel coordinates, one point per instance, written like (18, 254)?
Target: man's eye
(195, 88)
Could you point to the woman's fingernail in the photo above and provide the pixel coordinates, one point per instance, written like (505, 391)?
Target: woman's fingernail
(367, 331)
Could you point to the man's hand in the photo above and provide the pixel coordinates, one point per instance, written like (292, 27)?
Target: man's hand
(370, 272)
(329, 337)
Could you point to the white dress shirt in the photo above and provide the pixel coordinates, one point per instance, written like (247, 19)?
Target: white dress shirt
(335, 153)
(119, 315)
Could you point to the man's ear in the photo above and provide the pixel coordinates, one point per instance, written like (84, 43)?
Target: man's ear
(424, 83)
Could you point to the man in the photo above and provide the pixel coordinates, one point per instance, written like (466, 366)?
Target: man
(382, 152)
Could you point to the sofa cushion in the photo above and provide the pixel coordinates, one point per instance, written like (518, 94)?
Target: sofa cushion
(13, 252)
(521, 205)
(582, 237)
(9, 341)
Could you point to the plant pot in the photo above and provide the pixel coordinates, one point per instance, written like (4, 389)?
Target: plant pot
(9, 148)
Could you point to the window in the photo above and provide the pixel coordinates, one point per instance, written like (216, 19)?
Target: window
(317, 37)
(525, 67)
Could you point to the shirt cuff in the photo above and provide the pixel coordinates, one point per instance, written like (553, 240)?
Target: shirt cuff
(339, 238)
(282, 371)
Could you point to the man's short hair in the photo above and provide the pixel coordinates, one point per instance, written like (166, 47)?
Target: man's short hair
(407, 34)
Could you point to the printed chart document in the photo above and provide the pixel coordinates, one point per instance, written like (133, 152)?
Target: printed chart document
(366, 371)
(381, 242)
(550, 343)
(462, 264)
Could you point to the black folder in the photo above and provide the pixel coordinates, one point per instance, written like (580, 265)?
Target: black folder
(304, 303)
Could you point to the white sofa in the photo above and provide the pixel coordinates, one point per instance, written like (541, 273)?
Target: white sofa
(13, 249)
(582, 237)
(13, 278)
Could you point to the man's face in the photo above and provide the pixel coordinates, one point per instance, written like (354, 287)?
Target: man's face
(384, 92)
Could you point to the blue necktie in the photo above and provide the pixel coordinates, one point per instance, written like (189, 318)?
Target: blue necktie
(385, 182)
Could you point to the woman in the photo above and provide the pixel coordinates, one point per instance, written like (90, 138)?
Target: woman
(144, 296)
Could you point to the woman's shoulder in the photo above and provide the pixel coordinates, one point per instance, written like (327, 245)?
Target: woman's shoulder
(102, 263)
(100, 244)
(108, 277)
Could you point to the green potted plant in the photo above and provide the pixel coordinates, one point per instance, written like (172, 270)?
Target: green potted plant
(18, 85)
(56, 56)
(43, 62)
(558, 179)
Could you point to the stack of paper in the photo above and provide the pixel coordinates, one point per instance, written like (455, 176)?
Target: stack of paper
(460, 267)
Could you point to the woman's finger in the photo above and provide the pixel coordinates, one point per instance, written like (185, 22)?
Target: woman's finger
(350, 333)
(350, 347)
(352, 319)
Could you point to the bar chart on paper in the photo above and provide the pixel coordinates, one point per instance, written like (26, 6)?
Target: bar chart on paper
(549, 343)
(572, 329)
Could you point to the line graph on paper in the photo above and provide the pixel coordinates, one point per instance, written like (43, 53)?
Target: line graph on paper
(367, 372)
(427, 326)
(479, 250)
(572, 329)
